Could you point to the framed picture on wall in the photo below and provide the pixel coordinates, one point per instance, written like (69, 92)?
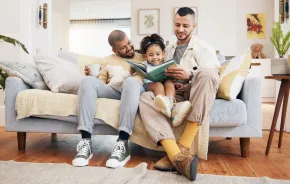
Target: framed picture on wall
(196, 16)
(256, 26)
(149, 21)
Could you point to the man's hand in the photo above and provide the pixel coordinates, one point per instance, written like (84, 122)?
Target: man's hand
(181, 88)
(177, 73)
(133, 72)
(87, 70)
(178, 85)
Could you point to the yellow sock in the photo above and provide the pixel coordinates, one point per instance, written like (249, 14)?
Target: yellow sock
(189, 133)
(170, 147)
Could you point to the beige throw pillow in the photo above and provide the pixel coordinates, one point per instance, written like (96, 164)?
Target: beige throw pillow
(59, 75)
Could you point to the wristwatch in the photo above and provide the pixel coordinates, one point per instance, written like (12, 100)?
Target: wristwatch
(191, 75)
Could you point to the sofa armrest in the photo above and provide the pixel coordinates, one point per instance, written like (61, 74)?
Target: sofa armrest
(14, 85)
(251, 95)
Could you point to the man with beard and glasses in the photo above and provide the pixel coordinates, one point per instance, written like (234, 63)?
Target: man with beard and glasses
(92, 88)
(197, 79)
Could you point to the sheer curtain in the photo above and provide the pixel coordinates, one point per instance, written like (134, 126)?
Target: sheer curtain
(90, 37)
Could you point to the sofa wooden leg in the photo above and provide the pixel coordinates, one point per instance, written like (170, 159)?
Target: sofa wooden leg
(21, 138)
(53, 137)
(245, 147)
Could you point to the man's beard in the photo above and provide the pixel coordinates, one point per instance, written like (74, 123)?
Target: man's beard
(186, 37)
(126, 55)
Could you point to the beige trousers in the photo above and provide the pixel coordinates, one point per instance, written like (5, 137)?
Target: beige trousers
(201, 92)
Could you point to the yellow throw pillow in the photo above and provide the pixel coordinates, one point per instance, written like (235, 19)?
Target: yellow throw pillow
(232, 76)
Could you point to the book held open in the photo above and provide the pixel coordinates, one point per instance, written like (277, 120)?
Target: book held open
(157, 74)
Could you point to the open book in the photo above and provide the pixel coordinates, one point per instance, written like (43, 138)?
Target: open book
(156, 75)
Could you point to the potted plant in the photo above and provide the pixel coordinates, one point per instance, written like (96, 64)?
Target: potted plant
(281, 43)
(15, 42)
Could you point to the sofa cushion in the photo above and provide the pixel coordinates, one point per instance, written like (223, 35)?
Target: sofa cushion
(226, 113)
(33, 102)
(42, 102)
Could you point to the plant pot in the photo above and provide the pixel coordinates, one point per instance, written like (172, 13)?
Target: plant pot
(279, 66)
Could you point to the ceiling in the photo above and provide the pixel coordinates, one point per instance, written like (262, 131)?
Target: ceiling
(100, 9)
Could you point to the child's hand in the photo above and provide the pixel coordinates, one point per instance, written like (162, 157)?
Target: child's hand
(132, 72)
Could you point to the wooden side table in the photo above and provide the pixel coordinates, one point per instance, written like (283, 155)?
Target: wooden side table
(283, 95)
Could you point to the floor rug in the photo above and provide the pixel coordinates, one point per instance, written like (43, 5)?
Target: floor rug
(48, 173)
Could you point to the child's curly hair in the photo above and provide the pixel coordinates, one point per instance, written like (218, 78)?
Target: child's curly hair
(154, 39)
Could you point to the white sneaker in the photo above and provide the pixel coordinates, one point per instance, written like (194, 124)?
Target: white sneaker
(84, 149)
(163, 104)
(179, 112)
(120, 155)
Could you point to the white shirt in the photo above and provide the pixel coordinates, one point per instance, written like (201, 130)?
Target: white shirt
(198, 54)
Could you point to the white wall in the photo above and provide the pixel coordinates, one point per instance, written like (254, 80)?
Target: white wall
(9, 26)
(221, 23)
(49, 41)
(22, 24)
(60, 26)
(255, 6)
(39, 40)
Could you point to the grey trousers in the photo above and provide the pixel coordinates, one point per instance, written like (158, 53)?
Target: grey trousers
(92, 88)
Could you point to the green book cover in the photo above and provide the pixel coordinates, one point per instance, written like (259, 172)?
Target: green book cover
(156, 75)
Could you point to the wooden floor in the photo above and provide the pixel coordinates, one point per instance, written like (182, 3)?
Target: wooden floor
(223, 159)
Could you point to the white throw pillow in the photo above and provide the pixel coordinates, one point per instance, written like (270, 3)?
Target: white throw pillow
(25, 71)
(69, 56)
(59, 75)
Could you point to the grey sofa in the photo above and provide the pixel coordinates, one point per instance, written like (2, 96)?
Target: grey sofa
(237, 118)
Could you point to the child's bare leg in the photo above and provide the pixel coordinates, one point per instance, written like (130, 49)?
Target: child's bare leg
(157, 88)
(165, 103)
(169, 88)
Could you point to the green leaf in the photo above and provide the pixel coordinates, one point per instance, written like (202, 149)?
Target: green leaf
(2, 84)
(14, 42)
(280, 42)
(3, 77)
(286, 48)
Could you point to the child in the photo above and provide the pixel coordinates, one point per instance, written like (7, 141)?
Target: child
(152, 47)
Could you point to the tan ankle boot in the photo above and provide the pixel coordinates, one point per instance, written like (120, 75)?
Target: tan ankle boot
(186, 165)
(164, 163)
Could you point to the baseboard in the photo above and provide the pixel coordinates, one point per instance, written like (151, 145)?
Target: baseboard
(2, 116)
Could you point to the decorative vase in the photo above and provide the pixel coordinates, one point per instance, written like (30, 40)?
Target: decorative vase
(279, 66)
